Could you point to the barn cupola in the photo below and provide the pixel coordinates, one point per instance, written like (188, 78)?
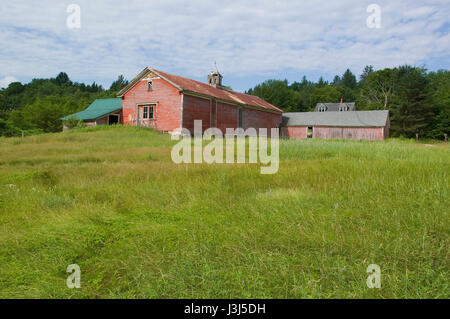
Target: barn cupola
(215, 78)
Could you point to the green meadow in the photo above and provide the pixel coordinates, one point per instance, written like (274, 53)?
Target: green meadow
(111, 200)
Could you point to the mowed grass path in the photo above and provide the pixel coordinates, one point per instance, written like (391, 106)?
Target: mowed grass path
(110, 200)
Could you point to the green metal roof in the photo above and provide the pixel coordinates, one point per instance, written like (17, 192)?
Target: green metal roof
(337, 119)
(97, 109)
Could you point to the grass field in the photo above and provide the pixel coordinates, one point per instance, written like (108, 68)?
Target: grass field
(139, 226)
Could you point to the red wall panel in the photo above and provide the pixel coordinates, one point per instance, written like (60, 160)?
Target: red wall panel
(299, 132)
(354, 133)
(227, 116)
(260, 119)
(196, 108)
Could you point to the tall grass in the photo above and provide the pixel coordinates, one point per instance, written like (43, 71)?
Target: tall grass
(140, 226)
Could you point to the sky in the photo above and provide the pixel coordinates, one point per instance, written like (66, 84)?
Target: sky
(251, 41)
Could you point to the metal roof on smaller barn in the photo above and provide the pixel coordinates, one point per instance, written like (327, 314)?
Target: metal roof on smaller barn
(335, 107)
(97, 109)
(337, 119)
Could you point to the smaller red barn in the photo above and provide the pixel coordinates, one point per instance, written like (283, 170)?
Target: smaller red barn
(356, 125)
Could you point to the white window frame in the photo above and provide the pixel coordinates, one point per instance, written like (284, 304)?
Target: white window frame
(146, 111)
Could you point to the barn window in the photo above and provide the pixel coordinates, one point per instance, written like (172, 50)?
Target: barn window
(145, 115)
(150, 85)
(148, 112)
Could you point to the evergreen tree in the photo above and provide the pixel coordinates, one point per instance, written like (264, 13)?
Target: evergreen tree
(321, 82)
(304, 89)
(368, 70)
(118, 84)
(337, 80)
(439, 98)
(62, 78)
(410, 111)
(349, 79)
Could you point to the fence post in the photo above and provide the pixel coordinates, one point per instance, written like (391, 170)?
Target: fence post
(23, 134)
(446, 137)
(417, 137)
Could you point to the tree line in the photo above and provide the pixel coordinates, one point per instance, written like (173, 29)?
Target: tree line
(37, 107)
(418, 101)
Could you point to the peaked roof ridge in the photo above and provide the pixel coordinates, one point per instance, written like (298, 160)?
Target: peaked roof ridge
(184, 78)
(194, 86)
(204, 84)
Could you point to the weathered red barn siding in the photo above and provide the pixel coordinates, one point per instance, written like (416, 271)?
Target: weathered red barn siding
(227, 116)
(196, 108)
(327, 132)
(222, 115)
(260, 119)
(366, 133)
(299, 132)
(167, 108)
(355, 133)
(102, 120)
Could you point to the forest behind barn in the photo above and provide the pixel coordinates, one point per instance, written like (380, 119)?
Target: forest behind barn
(418, 101)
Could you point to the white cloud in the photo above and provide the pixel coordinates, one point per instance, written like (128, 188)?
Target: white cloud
(245, 37)
(4, 82)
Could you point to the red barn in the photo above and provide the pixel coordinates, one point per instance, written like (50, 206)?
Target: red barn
(167, 102)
